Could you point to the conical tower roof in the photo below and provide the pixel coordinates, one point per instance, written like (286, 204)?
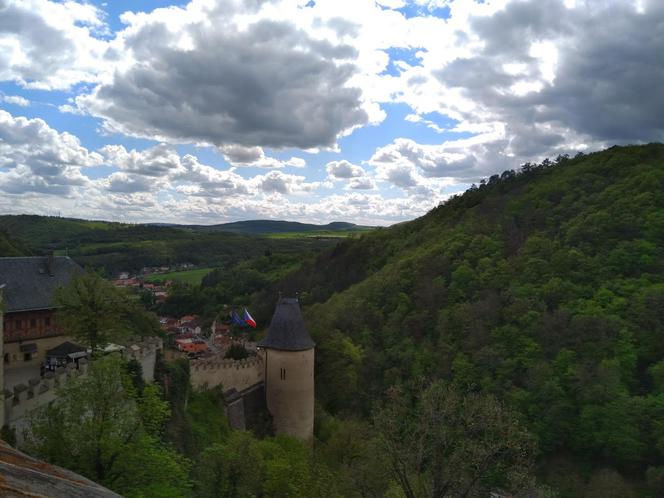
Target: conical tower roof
(287, 331)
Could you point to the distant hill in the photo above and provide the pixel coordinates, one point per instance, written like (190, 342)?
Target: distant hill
(543, 286)
(276, 226)
(129, 247)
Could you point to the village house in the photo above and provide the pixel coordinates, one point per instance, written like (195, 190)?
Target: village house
(30, 324)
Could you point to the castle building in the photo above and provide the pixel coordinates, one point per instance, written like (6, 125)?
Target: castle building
(30, 327)
(289, 371)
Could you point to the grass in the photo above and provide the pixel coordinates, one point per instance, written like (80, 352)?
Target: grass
(325, 234)
(192, 277)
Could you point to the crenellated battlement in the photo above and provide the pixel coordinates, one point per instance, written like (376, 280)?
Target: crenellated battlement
(219, 362)
(140, 347)
(22, 399)
(144, 350)
(216, 370)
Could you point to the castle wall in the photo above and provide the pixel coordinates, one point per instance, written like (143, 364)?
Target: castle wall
(231, 374)
(22, 399)
(144, 350)
(290, 391)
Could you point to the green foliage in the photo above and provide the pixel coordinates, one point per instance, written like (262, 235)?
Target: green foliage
(96, 313)
(450, 444)
(544, 288)
(116, 247)
(101, 428)
(243, 466)
(237, 352)
(10, 247)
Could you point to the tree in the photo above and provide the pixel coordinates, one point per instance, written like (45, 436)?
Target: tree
(237, 352)
(449, 444)
(95, 312)
(101, 428)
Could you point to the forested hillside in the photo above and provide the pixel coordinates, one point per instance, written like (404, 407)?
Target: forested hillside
(10, 247)
(544, 287)
(129, 247)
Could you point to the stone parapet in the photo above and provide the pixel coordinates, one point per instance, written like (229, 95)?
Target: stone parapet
(231, 374)
(22, 398)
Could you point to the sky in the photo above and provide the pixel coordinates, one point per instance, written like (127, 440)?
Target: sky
(371, 112)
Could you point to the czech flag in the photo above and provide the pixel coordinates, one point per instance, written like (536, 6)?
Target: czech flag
(235, 318)
(249, 320)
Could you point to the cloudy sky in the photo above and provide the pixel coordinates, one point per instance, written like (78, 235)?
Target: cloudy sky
(359, 110)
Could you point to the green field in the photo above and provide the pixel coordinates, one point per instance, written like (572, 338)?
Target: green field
(192, 277)
(323, 234)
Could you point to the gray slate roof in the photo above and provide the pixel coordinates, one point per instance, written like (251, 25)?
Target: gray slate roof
(287, 331)
(29, 286)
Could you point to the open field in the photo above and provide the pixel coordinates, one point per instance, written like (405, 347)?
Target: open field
(322, 234)
(192, 277)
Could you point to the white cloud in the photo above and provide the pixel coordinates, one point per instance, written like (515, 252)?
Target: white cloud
(239, 156)
(344, 169)
(283, 183)
(35, 157)
(16, 100)
(227, 73)
(50, 45)
(525, 78)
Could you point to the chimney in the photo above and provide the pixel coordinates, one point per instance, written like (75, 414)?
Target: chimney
(50, 263)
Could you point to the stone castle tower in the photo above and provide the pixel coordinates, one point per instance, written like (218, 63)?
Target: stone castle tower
(289, 371)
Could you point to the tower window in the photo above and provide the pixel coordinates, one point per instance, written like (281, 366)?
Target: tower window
(282, 373)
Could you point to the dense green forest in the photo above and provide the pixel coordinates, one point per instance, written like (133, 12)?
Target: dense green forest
(543, 287)
(116, 247)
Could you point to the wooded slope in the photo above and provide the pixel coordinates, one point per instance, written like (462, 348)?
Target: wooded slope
(544, 287)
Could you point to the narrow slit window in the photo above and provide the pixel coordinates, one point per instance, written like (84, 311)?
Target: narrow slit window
(282, 373)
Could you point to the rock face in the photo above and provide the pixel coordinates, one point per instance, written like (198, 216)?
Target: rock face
(22, 476)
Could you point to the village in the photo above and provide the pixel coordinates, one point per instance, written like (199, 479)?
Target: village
(39, 356)
(187, 334)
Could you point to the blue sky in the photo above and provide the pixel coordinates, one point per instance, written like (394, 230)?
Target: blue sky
(371, 112)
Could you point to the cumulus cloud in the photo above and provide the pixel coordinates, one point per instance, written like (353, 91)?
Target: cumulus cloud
(283, 183)
(364, 183)
(36, 158)
(16, 100)
(50, 45)
(405, 158)
(238, 156)
(344, 169)
(213, 74)
(355, 176)
(518, 79)
(548, 77)
(161, 160)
